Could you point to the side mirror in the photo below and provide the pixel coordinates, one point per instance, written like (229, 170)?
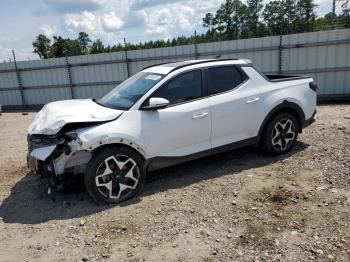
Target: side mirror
(156, 103)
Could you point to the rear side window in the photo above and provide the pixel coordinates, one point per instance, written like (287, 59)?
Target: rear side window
(223, 78)
(182, 88)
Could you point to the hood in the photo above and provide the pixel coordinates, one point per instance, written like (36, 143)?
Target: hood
(54, 116)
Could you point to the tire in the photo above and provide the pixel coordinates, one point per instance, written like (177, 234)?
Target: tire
(115, 175)
(280, 134)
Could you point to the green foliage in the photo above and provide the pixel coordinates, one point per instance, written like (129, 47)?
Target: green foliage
(254, 8)
(58, 48)
(233, 20)
(236, 20)
(290, 14)
(234, 14)
(280, 16)
(97, 47)
(345, 15)
(42, 46)
(274, 16)
(306, 17)
(84, 41)
(208, 21)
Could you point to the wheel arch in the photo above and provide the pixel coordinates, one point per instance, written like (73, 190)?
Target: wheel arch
(106, 150)
(288, 107)
(122, 143)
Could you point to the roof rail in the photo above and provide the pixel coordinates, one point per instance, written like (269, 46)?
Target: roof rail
(191, 63)
(157, 65)
(200, 62)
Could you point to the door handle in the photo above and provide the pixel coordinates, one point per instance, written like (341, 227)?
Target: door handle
(256, 99)
(201, 115)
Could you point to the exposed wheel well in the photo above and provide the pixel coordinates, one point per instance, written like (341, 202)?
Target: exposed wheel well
(292, 112)
(286, 107)
(102, 147)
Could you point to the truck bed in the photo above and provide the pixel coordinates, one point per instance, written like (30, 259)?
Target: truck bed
(282, 77)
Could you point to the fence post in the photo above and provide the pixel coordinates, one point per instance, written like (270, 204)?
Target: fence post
(280, 48)
(333, 14)
(69, 76)
(20, 86)
(126, 58)
(195, 45)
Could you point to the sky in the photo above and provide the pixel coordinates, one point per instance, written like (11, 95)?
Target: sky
(110, 20)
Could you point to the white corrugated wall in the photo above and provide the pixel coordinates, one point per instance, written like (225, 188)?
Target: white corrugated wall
(324, 55)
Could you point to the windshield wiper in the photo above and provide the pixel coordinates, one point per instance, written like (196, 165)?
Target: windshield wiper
(97, 102)
(111, 107)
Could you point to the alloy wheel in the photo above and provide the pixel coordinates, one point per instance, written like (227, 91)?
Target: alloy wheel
(117, 176)
(283, 134)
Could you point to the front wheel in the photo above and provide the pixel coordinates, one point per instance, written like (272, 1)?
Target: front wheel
(280, 134)
(115, 175)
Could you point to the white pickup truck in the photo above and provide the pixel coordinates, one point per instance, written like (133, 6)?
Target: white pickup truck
(164, 115)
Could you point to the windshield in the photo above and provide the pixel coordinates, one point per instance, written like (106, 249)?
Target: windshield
(126, 94)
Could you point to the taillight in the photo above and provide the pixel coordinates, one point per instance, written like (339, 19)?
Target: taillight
(313, 86)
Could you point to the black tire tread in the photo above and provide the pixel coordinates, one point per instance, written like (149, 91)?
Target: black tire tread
(89, 177)
(265, 141)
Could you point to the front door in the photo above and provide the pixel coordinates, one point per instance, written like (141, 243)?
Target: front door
(183, 128)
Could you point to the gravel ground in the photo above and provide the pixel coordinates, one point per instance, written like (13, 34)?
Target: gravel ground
(236, 206)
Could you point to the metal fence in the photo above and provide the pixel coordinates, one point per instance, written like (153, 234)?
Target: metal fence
(324, 55)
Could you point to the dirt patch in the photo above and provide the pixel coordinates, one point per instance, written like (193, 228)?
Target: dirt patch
(236, 206)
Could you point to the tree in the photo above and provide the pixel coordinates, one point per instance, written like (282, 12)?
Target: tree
(345, 7)
(58, 48)
(327, 22)
(97, 47)
(84, 41)
(254, 9)
(232, 20)
(73, 47)
(208, 21)
(274, 15)
(42, 46)
(219, 20)
(62, 47)
(305, 12)
(346, 13)
(117, 48)
(289, 7)
(234, 17)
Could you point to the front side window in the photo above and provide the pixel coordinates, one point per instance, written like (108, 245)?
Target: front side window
(223, 78)
(182, 88)
(126, 94)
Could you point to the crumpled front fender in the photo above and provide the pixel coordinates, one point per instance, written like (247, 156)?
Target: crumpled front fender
(126, 130)
(109, 140)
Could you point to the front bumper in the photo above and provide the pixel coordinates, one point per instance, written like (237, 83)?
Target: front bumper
(56, 155)
(39, 167)
(46, 172)
(41, 150)
(38, 158)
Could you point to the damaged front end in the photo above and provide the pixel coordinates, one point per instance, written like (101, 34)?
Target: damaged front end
(57, 158)
(54, 148)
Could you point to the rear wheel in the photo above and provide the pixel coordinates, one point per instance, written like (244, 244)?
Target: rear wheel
(115, 175)
(280, 134)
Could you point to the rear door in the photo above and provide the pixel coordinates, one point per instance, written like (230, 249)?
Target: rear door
(183, 128)
(235, 105)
